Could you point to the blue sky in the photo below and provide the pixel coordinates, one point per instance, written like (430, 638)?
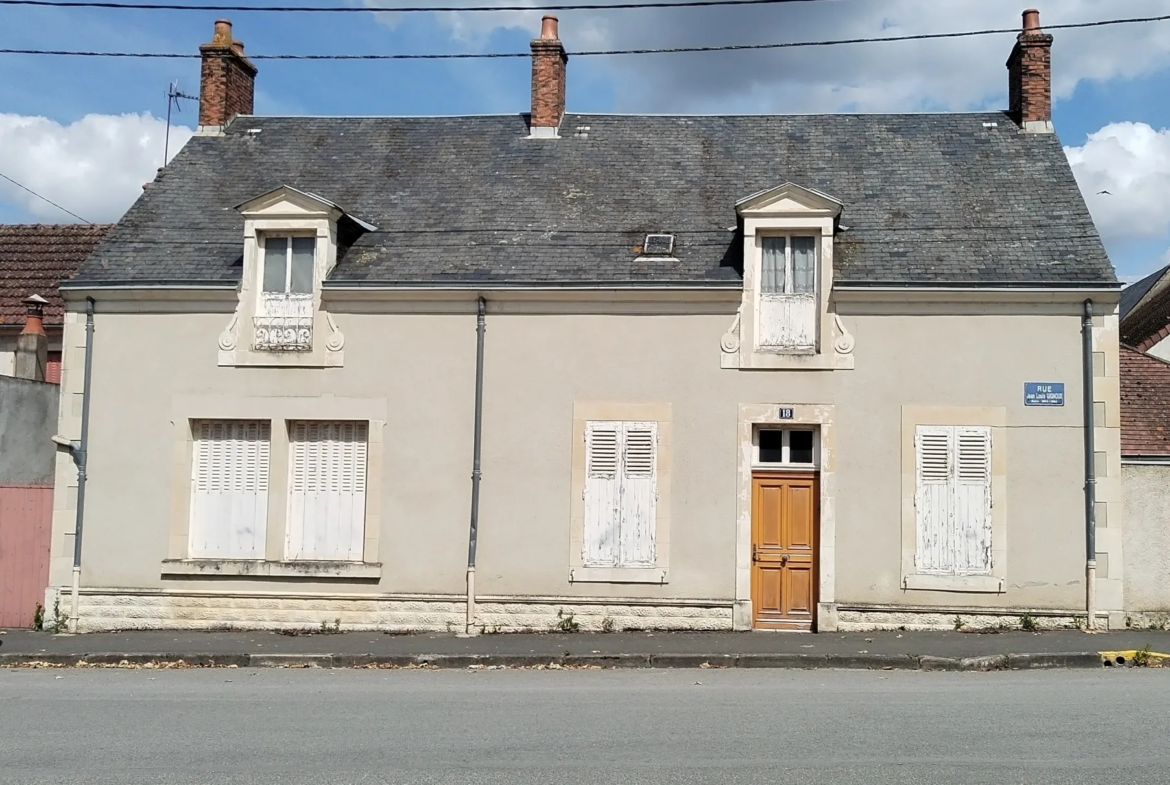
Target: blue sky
(74, 129)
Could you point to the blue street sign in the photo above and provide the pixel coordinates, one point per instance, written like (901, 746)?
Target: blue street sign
(1043, 393)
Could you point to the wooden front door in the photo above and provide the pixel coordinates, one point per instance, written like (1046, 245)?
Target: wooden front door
(785, 515)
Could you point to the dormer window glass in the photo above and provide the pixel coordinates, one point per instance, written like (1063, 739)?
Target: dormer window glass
(288, 265)
(788, 303)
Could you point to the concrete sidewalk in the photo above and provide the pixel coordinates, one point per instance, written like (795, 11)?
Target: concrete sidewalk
(902, 650)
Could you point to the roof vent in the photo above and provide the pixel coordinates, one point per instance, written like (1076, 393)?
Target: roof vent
(658, 245)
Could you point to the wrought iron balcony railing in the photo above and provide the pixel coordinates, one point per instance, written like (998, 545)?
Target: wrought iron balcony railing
(283, 333)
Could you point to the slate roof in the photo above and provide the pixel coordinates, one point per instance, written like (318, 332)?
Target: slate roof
(471, 201)
(1133, 294)
(34, 259)
(1145, 404)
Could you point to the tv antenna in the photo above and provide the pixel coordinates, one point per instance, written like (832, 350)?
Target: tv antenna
(173, 98)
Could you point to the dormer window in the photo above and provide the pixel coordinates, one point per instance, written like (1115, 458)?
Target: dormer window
(291, 241)
(284, 314)
(786, 320)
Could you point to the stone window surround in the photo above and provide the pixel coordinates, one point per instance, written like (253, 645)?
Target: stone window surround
(583, 412)
(821, 417)
(284, 212)
(279, 410)
(994, 417)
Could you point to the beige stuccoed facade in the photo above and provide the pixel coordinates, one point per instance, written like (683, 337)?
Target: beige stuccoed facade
(409, 369)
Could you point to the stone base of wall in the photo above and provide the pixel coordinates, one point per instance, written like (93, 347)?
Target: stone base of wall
(114, 609)
(918, 620)
(1148, 620)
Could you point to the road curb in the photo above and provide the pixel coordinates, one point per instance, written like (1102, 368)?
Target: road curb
(1024, 661)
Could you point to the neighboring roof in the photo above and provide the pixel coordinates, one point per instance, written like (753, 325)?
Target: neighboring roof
(1145, 404)
(472, 201)
(1133, 294)
(1149, 322)
(34, 258)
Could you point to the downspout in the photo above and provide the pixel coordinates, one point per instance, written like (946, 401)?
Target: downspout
(80, 457)
(1090, 472)
(473, 535)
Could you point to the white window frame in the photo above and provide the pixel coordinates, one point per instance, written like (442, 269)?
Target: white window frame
(789, 296)
(786, 463)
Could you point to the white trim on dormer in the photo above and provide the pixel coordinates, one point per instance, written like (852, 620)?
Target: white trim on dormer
(789, 199)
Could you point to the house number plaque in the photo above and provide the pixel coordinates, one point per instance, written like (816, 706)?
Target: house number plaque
(787, 413)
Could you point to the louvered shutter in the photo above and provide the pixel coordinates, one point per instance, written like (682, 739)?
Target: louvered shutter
(638, 493)
(603, 444)
(327, 491)
(934, 448)
(229, 494)
(972, 501)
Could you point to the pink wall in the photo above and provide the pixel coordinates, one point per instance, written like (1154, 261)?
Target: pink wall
(26, 524)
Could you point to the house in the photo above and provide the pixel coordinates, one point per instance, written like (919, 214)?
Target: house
(609, 371)
(1145, 475)
(34, 259)
(1145, 314)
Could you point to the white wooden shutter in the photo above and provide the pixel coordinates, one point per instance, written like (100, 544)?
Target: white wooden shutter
(602, 497)
(972, 501)
(788, 322)
(638, 493)
(229, 489)
(934, 449)
(327, 491)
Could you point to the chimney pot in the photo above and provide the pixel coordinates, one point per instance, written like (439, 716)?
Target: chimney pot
(548, 28)
(32, 345)
(223, 33)
(1031, 20)
(227, 80)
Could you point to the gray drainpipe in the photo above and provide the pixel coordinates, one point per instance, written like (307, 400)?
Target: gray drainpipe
(80, 457)
(1090, 472)
(473, 535)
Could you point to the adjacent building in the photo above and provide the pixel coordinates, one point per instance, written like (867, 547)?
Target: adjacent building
(810, 372)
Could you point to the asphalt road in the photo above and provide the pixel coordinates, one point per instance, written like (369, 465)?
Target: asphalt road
(553, 727)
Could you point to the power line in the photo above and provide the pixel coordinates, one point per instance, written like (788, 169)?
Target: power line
(45, 198)
(603, 52)
(392, 9)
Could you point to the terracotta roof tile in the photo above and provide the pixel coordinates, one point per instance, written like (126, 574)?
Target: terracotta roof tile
(34, 258)
(1145, 404)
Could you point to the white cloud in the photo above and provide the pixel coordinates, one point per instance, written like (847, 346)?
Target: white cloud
(947, 74)
(1131, 161)
(95, 166)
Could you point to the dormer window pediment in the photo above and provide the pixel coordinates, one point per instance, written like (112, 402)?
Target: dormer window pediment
(785, 320)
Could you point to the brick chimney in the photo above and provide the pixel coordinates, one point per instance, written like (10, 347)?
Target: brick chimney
(32, 345)
(548, 80)
(1030, 77)
(227, 81)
